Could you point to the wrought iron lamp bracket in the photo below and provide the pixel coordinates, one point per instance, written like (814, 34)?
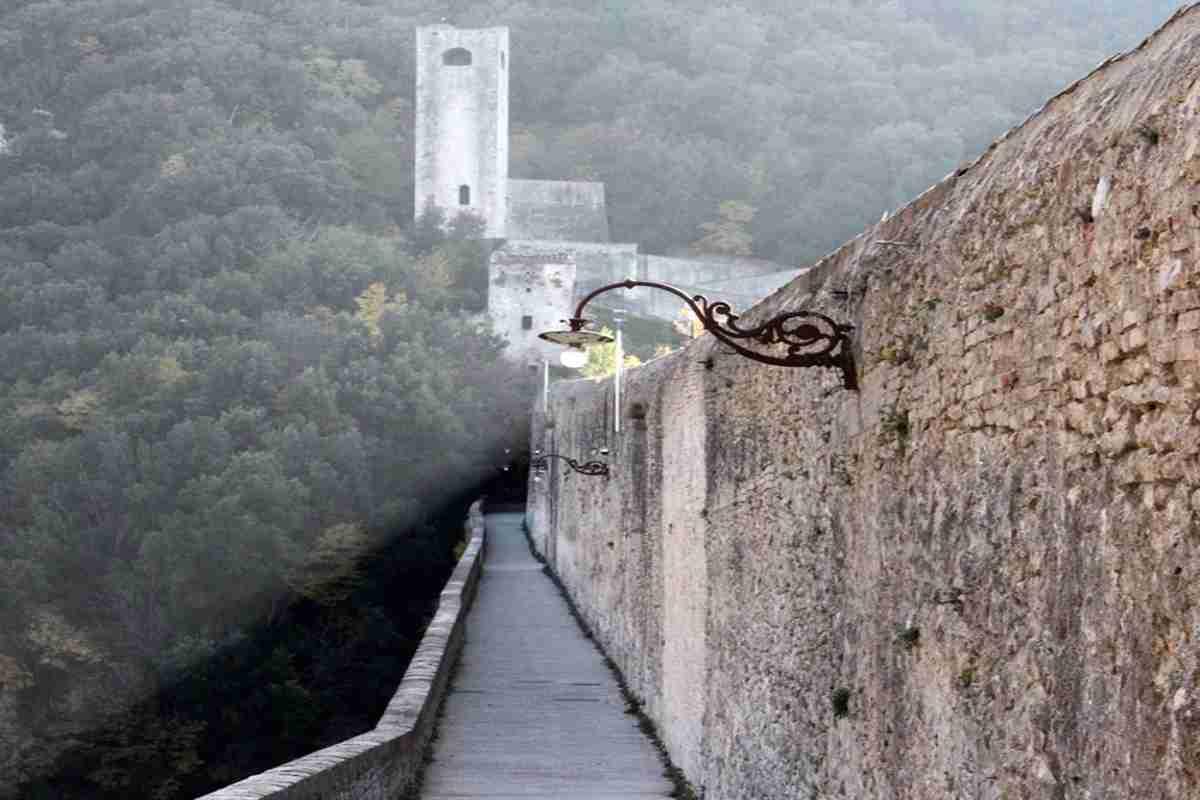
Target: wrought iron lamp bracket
(593, 468)
(812, 339)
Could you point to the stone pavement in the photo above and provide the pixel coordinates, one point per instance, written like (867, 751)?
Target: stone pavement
(533, 711)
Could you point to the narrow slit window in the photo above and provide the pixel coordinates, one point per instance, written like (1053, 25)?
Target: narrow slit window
(457, 57)
(464, 195)
(527, 323)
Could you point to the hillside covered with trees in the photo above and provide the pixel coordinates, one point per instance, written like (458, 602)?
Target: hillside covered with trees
(242, 395)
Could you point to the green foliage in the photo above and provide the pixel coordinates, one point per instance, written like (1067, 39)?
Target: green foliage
(339, 77)
(228, 364)
(644, 337)
(730, 234)
(376, 154)
(602, 359)
(679, 105)
(151, 756)
(328, 571)
(894, 426)
(333, 268)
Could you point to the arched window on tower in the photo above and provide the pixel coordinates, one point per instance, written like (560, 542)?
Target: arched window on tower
(457, 57)
(464, 195)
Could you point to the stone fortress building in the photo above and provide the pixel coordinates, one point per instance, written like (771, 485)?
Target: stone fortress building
(556, 245)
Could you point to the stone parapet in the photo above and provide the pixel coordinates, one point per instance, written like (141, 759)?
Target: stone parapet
(385, 763)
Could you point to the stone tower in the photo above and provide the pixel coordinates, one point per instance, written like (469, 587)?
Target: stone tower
(530, 289)
(462, 123)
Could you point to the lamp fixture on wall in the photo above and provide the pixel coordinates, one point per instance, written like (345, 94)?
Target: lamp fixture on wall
(593, 468)
(812, 339)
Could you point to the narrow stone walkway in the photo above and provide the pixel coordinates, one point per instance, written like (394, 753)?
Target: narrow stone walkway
(533, 711)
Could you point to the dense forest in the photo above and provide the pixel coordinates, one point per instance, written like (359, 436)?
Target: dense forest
(243, 398)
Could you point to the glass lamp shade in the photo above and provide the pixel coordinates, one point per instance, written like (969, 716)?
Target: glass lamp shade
(573, 358)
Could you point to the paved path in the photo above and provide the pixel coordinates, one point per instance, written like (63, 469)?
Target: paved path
(533, 711)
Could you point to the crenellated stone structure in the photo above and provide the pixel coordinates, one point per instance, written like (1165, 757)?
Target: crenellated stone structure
(462, 151)
(979, 577)
(462, 123)
(516, 273)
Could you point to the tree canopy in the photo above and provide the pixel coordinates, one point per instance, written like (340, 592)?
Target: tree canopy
(231, 373)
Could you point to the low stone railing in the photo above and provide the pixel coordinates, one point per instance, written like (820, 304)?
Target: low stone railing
(385, 763)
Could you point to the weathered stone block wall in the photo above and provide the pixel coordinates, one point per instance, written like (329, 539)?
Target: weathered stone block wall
(703, 270)
(992, 552)
(601, 264)
(385, 763)
(530, 284)
(557, 210)
(752, 289)
(742, 282)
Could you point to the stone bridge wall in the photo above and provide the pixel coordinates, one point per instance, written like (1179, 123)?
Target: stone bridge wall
(977, 578)
(385, 763)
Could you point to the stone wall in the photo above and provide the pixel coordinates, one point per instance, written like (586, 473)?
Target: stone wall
(601, 264)
(712, 268)
(597, 263)
(530, 290)
(557, 210)
(544, 279)
(741, 282)
(385, 763)
(979, 577)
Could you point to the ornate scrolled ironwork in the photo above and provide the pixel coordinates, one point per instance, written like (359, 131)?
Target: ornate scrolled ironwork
(594, 468)
(811, 339)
